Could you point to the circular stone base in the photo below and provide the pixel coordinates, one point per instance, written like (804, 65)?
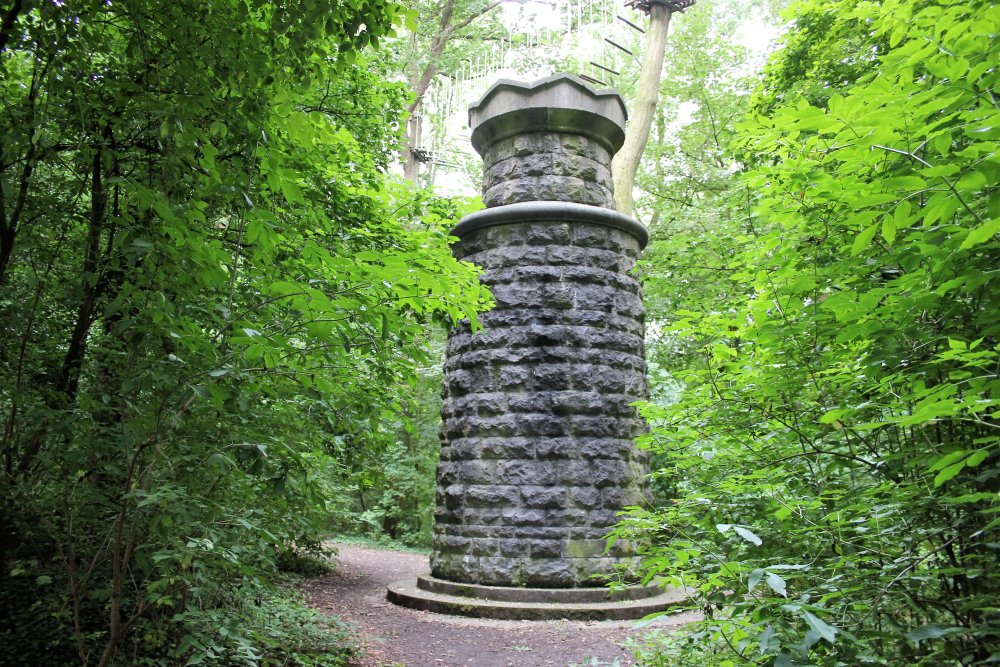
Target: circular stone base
(581, 604)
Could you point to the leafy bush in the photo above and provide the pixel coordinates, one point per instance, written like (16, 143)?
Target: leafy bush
(833, 455)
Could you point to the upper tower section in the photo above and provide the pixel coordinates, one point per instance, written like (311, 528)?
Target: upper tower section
(551, 140)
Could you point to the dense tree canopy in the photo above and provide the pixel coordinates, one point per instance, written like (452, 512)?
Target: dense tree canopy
(833, 452)
(208, 288)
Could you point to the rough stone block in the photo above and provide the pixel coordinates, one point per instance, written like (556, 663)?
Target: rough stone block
(526, 472)
(508, 448)
(447, 473)
(570, 517)
(482, 516)
(603, 517)
(607, 472)
(476, 471)
(619, 497)
(451, 544)
(485, 546)
(444, 515)
(527, 533)
(605, 448)
(585, 548)
(518, 516)
(491, 495)
(555, 448)
(540, 549)
(585, 497)
(545, 497)
(548, 233)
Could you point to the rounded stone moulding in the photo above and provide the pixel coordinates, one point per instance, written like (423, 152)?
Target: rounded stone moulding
(559, 103)
(551, 211)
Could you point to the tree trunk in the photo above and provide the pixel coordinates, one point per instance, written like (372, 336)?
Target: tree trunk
(411, 165)
(626, 163)
(420, 84)
(66, 379)
(422, 81)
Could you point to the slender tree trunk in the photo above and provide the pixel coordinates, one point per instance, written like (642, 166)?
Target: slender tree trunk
(420, 84)
(66, 379)
(411, 165)
(626, 163)
(9, 225)
(422, 81)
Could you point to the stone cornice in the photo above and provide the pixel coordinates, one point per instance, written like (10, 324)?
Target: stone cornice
(551, 211)
(559, 103)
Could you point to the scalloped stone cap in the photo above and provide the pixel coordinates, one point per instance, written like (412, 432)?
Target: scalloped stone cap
(559, 103)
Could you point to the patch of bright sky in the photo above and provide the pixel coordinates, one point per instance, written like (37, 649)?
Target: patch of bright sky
(754, 33)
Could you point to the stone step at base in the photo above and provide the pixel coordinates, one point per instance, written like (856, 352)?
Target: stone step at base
(548, 595)
(549, 606)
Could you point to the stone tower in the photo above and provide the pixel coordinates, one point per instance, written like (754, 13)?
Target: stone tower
(538, 433)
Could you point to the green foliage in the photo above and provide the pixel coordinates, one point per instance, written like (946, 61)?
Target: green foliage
(388, 498)
(687, 182)
(210, 295)
(833, 452)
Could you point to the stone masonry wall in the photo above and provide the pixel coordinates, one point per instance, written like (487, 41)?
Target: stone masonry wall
(538, 454)
(546, 166)
(537, 435)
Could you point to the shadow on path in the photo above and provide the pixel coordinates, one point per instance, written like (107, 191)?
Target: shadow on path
(394, 635)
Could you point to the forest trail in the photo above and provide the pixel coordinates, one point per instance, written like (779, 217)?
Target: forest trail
(392, 635)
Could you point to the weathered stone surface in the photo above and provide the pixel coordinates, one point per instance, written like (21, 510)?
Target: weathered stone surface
(563, 107)
(537, 429)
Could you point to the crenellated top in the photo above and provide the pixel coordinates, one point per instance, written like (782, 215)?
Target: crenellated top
(559, 103)
(550, 140)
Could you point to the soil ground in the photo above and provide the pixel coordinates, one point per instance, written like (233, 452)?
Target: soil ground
(392, 635)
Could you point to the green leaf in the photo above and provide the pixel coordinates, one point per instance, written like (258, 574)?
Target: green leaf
(889, 229)
(410, 20)
(948, 459)
(283, 288)
(777, 584)
(948, 473)
(826, 631)
(784, 660)
(982, 233)
(747, 535)
(972, 181)
(863, 240)
(754, 579)
(933, 631)
(766, 642)
(291, 191)
(830, 416)
(941, 143)
(976, 458)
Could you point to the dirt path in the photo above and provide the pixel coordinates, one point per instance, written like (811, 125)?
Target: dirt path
(394, 635)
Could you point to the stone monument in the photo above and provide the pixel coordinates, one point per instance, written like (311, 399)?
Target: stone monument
(538, 453)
